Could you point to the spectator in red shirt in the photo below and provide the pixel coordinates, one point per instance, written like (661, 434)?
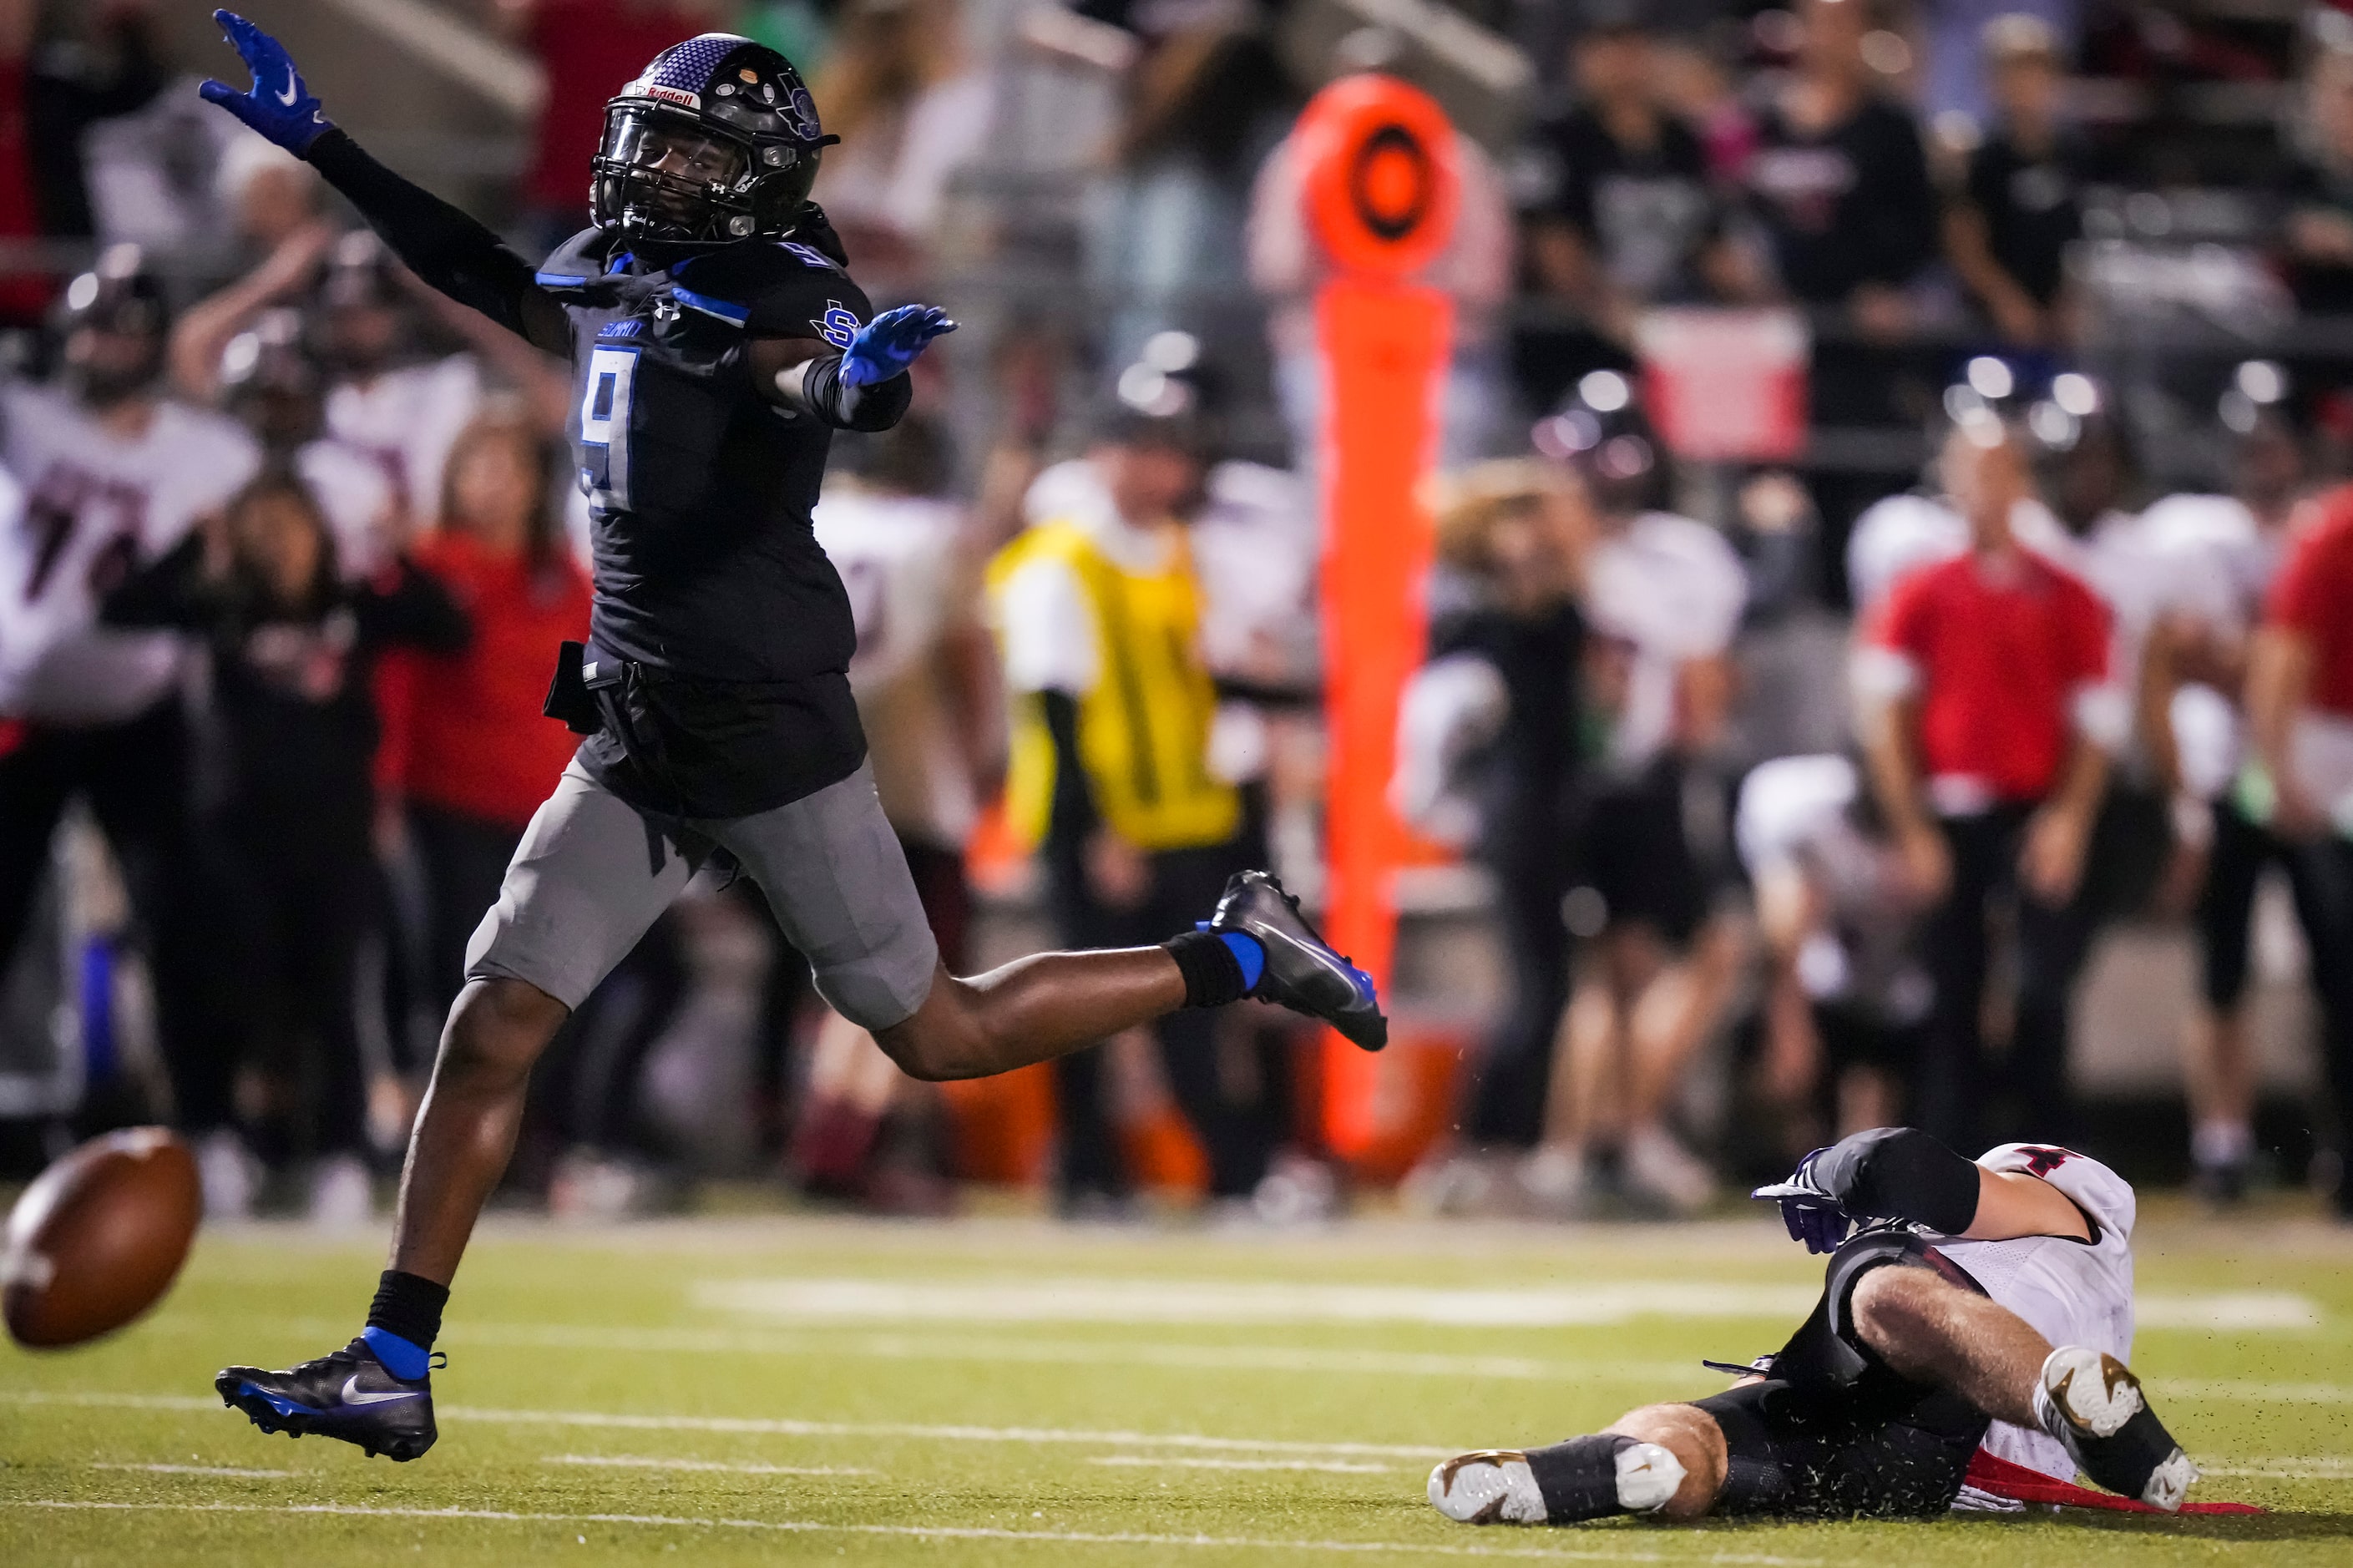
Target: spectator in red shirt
(465, 743)
(1990, 718)
(588, 49)
(2300, 718)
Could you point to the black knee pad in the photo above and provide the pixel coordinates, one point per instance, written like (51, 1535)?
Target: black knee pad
(1825, 1352)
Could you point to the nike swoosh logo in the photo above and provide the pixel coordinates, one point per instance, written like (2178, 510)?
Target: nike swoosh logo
(293, 88)
(351, 1395)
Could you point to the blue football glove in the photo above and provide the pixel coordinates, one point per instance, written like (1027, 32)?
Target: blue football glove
(888, 344)
(1810, 1210)
(280, 107)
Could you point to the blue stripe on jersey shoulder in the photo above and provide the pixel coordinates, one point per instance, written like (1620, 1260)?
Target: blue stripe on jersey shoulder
(735, 315)
(809, 254)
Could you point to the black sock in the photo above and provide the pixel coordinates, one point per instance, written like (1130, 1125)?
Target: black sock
(1579, 1478)
(1213, 975)
(408, 1305)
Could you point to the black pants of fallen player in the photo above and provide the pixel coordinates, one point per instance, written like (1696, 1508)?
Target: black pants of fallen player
(1832, 1432)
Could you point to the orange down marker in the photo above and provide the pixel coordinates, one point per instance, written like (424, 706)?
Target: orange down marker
(1377, 159)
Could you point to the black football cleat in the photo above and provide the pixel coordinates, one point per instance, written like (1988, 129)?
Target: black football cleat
(2097, 1409)
(348, 1395)
(1302, 971)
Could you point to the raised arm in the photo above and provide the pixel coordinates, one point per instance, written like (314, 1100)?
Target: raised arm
(203, 334)
(441, 245)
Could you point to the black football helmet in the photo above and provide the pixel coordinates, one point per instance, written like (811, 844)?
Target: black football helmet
(113, 322)
(1600, 432)
(716, 141)
(361, 274)
(270, 380)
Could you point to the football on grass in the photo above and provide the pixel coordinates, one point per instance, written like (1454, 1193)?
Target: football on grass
(97, 1237)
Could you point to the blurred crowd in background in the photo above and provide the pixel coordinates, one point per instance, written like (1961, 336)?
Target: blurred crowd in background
(1761, 796)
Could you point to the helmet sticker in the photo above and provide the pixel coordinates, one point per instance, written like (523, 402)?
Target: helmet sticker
(803, 108)
(679, 96)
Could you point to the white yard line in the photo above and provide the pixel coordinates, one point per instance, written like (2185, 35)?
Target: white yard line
(1175, 1461)
(197, 1470)
(778, 1427)
(1012, 1352)
(937, 1532)
(1081, 1299)
(1600, 1304)
(1191, 1358)
(646, 1462)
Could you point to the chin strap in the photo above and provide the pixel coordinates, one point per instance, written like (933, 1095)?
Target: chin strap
(2016, 1483)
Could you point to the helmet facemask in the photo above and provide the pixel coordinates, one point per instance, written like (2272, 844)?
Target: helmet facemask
(668, 174)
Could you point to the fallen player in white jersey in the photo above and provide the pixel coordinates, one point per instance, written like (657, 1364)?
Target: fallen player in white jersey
(1968, 1351)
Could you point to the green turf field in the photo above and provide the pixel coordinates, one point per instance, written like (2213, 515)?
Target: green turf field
(1001, 1391)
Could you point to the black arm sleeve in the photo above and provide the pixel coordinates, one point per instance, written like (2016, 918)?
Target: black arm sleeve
(874, 407)
(1901, 1172)
(441, 245)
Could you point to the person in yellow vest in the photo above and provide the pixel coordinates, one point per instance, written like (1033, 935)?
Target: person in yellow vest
(1098, 611)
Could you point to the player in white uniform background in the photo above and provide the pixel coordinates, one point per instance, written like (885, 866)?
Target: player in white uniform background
(109, 475)
(405, 415)
(928, 693)
(1663, 597)
(361, 317)
(1968, 1351)
(2228, 547)
(1846, 995)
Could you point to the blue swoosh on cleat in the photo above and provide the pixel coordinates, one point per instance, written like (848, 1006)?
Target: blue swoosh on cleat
(283, 1406)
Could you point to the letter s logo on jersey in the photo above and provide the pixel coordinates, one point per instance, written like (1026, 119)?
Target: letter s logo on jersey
(838, 325)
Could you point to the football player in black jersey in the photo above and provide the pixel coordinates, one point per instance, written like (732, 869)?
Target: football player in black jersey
(717, 342)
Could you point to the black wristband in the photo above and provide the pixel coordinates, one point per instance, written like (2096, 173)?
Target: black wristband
(1901, 1174)
(875, 407)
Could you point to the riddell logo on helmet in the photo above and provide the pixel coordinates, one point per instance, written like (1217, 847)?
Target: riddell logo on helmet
(677, 95)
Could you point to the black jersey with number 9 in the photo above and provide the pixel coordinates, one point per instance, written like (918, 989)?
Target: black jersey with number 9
(699, 487)
(707, 571)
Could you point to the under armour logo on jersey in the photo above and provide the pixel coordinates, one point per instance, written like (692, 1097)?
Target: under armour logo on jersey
(2043, 1161)
(838, 325)
(808, 253)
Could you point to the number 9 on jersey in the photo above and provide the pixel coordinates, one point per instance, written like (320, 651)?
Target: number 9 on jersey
(604, 428)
